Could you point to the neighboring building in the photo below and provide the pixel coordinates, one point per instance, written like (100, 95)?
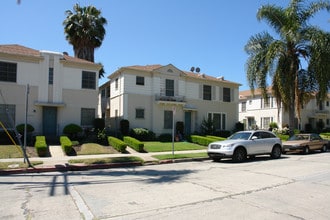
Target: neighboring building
(255, 111)
(104, 102)
(62, 89)
(155, 96)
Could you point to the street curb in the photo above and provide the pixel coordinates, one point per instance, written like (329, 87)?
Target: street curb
(82, 167)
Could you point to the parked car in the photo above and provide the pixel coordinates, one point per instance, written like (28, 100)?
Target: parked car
(305, 143)
(246, 143)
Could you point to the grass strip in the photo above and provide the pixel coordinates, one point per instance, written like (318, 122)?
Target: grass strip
(151, 146)
(106, 160)
(15, 165)
(179, 156)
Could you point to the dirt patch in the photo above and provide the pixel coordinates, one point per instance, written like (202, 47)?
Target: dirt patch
(31, 152)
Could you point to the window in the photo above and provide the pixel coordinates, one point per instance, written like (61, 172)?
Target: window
(108, 92)
(219, 120)
(327, 103)
(88, 80)
(140, 80)
(139, 113)
(265, 121)
(226, 95)
(328, 121)
(116, 83)
(7, 115)
(87, 116)
(243, 107)
(169, 90)
(267, 102)
(207, 92)
(50, 76)
(103, 93)
(8, 72)
(168, 119)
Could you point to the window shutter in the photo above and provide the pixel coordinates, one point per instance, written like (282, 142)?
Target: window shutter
(213, 96)
(220, 93)
(200, 91)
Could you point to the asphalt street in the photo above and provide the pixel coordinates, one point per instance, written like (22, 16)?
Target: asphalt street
(293, 187)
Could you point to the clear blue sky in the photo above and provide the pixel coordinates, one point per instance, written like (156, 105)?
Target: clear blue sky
(210, 34)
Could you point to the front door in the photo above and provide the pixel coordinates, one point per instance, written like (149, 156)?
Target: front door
(187, 123)
(49, 121)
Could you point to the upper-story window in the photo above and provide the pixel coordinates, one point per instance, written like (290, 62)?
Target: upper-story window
(169, 90)
(140, 80)
(103, 93)
(243, 107)
(108, 91)
(88, 80)
(226, 94)
(8, 72)
(116, 83)
(207, 92)
(50, 76)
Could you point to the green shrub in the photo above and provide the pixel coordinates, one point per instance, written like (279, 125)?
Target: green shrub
(20, 128)
(134, 143)
(216, 138)
(165, 137)
(118, 144)
(41, 146)
(72, 130)
(66, 145)
(201, 140)
(142, 134)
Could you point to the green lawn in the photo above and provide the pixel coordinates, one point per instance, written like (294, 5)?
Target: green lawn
(92, 148)
(106, 160)
(10, 151)
(152, 146)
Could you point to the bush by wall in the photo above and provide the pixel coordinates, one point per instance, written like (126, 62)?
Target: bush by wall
(72, 130)
(118, 144)
(216, 138)
(165, 137)
(201, 140)
(66, 145)
(142, 134)
(41, 146)
(134, 143)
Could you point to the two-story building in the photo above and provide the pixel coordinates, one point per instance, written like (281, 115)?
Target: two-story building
(255, 111)
(156, 97)
(58, 89)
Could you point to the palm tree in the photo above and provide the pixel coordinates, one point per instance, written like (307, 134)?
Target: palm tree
(84, 29)
(297, 62)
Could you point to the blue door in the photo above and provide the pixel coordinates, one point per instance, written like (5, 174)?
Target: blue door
(49, 120)
(187, 123)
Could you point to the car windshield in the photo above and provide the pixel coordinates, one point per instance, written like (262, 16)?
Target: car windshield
(240, 136)
(298, 137)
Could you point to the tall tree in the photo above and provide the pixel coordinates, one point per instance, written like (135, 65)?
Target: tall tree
(297, 61)
(84, 29)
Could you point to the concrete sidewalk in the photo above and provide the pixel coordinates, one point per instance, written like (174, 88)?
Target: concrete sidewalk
(60, 162)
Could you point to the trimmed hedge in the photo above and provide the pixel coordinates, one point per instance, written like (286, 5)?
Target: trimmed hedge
(134, 143)
(41, 146)
(66, 145)
(118, 144)
(216, 138)
(201, 140)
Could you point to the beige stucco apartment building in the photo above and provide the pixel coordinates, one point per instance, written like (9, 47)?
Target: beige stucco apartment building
(155, 96)
(62, 89)
(255, 111)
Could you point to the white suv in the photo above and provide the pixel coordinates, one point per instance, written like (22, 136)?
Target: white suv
(246, 143)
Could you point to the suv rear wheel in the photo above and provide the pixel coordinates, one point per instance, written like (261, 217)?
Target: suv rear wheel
(276, 152)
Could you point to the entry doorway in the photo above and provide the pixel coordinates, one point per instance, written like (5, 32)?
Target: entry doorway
(49, 121)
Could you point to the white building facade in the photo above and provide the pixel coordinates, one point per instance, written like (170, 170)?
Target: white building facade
(156, 97)
(61, 89)
(256, 112)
